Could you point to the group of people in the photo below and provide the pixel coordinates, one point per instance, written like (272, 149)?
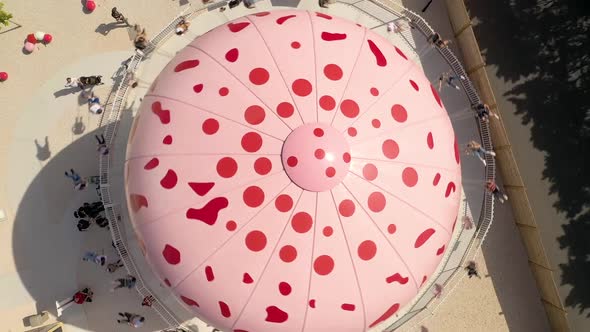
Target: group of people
(89, 214)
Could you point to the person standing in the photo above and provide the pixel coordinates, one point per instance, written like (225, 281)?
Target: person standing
(118, 16)
(127, 282)
(479, 151)
(91, 256)
(102, 146)
(133, 320)
(493, 188)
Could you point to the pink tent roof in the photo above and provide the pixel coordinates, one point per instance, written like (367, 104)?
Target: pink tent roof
(293, 171)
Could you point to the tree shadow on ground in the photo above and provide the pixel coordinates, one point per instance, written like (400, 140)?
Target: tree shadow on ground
(544, 52)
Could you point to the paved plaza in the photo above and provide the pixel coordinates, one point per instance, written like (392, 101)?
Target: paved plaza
(47, 129)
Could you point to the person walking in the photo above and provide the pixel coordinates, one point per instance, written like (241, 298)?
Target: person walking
(479, 151)
(91, 256)
(127, 282)
(83, 296)
(102, 146)
(133, 320)
(472, 270)
(437, 41)
(72, 82)
(83, 225)
(147, 301)
(112, 267)
(493, 188)
(118, 16)
(79, 183)
(483, 112)
(448, 78)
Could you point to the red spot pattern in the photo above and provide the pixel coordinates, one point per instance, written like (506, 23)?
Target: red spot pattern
(209, 273)
(349, 108)
(333, 72)
(323, 265)
(253, 196)
(189, 301)
(138, 202)
(312, 303)
(374, 91)
(319, 154)
(292, 161)
(167, 282)
(171, 255)
(237, 27)
(208, 213)
(201, 188)
(318, 132)
(164, 115)
(261, 14)
(346, 208)
(276, 315)
(346, 157)
(457, 155)
(400, 53)
(430, 141)
(295, 45)
(247, 279)
(210, 126)
(367, 250)
(351, 131)
(414, 85)
(153, 163)
(188, 64)
(284, 203)
(381, 61)
(436, 179)
(328, 36)
(255, 241)
(301, 222)
(440, 250)
(392, 310)
(251, 142)
(259, 76)
(301, 87)
(167, 140)
(327, 231)
(330, 172)
(436, 96)
(410, 176)
(322, 15)
(224, 308)
(285, 109)
(391, 228)
(198, 88)
(397, 278)
(283, 19)
(376, 201)
(254, 115)
(223, 91)
(370, 172)
(262, 166)
(347, 307)
(285, 288)
(231, 225)
(232, 55)
(399, 113)
(288, 253)
(450, 189)
(169, 180)
(376, 123)
(327, 103)
(423, 237)
(390, 149)
(227, 167)
(423, 280)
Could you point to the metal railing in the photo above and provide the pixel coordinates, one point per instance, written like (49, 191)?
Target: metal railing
(110, 131)
(418, 314)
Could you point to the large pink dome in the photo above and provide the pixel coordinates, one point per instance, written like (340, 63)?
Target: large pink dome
(292, 171)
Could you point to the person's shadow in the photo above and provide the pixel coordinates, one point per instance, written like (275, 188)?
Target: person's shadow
(78, 128)
(65, 92)
(43, 152)
(104, 29)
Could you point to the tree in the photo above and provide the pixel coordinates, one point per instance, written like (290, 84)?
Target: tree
(4, 16)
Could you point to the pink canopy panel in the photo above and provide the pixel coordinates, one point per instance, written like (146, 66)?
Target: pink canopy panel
(293, 171)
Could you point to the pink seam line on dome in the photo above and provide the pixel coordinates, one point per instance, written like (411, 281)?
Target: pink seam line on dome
(271, 254)
(280, 72)
(315, 64)
(403, 201)
(315, 218)
(356, 277)
(358, 55)
(381, 232)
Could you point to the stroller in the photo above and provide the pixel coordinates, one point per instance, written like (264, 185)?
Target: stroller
(90, 80)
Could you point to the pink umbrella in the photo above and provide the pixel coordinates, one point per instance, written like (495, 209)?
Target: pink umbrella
(293, 171)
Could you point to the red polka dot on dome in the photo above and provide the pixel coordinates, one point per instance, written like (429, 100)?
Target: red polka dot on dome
(414, 85)
(410, 176)
(251, 142)
(210, 126)
(232, 55)
(198, 88)
(367, 250)
(247, 279)
(274, 314)
(284, 203)
(255, 241)
(430, 141)
(285, 109)
(288, 253)
(327, 103)
(423, 237)
(284, 288)
(295, 45)
(262, 166)
(292, 161)
(253, 196)
(351, 131)
(312, 303)
(231, 225)
(376, 201)
(223, 91)
(224, 308)
(259, 76)
(171, 254)
(375, 92)
(330, 172)
(390, 149)
(227, 167)
(436, 179)
(391, 228)
(301, 222)
(189, 301)
(254, 115)
(318, 132)
(399, 113)
(370, 172)
(346, 208)
(349, 108)
(376, 123)
(209, 273)
(319, 154)
(169, 180)
(153, 163)
(323, 265)
(400, 53)
(301, 87)
(333, 72)
(346, 157)
(328, 231)
(167, 140)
